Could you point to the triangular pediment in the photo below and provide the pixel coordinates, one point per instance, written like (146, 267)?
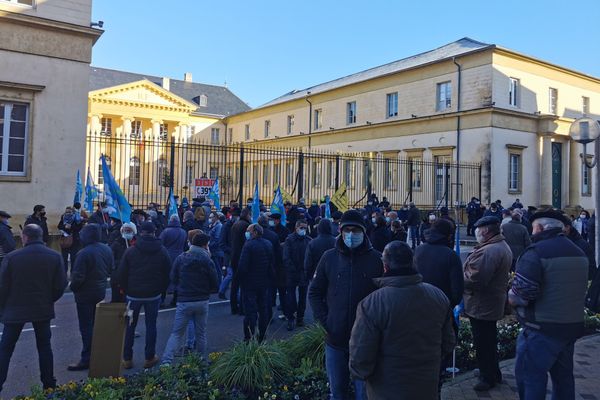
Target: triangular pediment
(142, 93)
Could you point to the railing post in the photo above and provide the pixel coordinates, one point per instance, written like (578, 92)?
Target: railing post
(410, 180)
(447, 182)
(172, 166)
(337, 172)
(300, 175)
(241, 188)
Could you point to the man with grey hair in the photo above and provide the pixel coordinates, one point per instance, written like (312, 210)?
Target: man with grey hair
(256, 271)
(485, 274)
(392, 347)
(548, 293)
(32, 279)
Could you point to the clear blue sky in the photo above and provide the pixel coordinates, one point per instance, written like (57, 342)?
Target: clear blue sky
(263, 49)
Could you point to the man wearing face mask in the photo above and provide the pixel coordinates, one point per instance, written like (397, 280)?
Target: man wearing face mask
(238, 240)
(485, 274)
(294, 251)
(344, 277)
(7, 240)
(413, 221)
(118, 247)
(425, 225)
(225, 239)
(39, 218)
(101, 218)
(275, 225)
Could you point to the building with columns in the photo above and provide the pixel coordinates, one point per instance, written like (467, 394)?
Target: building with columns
(466, 101)
(45, 52)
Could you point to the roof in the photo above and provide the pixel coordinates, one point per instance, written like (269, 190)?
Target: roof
(221, 101)
(454, 49)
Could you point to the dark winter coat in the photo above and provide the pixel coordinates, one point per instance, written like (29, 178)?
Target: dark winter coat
(174, 238)
(32, 279)
(192, 224)
(215, 240)
(517, 238)
(42, 223)
(317, 247)
(400, 235)
(238, 240)
(194, 275)
(256, 266)
(144, 269)
(73, 230)
(93, 265)
(380, 237)
(294, 250)
(282, 232)
(576, 238)
(278, 255)
(101, 219)
(440, 266)
(344, 277)
(414, 216)
(7, 240)
(393, 348)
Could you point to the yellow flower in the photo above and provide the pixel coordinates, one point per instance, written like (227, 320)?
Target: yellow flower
(285, 388)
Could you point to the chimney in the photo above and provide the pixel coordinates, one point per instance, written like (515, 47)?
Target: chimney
(187, 77)
(166, 83)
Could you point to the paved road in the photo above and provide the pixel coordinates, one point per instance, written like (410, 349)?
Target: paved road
(223, 330)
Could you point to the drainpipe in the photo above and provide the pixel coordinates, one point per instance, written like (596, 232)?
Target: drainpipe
(309, 119)
(458, 187)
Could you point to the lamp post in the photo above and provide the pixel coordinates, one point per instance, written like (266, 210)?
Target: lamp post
(586, 130)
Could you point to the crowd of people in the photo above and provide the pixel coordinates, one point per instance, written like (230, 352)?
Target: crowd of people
(385, 284)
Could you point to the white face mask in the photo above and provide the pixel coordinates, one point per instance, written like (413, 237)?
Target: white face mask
(583, 216)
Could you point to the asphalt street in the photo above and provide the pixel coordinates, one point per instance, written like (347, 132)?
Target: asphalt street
(224, 330)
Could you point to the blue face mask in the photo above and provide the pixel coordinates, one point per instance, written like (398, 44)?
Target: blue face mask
(271, 223)
(388, 219)
(302, 232)
(248, 235)
(353, 240)
(374, 220)
(127, 236)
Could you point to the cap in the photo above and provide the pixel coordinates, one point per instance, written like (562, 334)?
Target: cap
(553, 214)
(275, 216)
(352, 218)
(148, 227)
(4, 214)
(489, 220)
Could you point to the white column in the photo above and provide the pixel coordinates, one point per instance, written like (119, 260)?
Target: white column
(95, 123)
(546, 172)
(156, 128)
(574, 174)
(183, 133)
(126, 126)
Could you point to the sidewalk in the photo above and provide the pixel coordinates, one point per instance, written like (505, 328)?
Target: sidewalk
(587, 382)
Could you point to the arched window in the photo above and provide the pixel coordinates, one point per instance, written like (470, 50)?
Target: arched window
(163, 172)
(134, 171)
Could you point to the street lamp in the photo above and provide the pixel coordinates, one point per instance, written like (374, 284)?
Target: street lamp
(586, 130)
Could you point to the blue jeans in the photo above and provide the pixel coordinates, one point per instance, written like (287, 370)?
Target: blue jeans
(151, 309)
(338, 374)
(226, 281)
(414, 235)
(86, 314)
(538, 354)
(196, 311)
(10, 336)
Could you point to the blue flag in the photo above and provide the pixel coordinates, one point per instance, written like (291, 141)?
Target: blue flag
(117, 204)
(90, 193)
(327, 208)
(172, 205)
(277, 206)
(457, 236)
(214, 194)
(255, 205)
(78, 189)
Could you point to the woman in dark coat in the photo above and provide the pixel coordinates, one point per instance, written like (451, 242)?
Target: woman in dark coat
(70, 226)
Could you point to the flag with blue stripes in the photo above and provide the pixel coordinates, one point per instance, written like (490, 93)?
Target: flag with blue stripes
(91, 193)
(214, 194)
(117, 204)
(277, 206)
(255, 205)
(78, 189)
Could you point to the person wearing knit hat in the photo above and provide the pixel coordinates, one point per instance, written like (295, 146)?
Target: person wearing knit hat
(344, 277)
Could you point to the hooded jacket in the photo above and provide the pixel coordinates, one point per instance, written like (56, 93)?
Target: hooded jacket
(257, 265)
(92, 268)
(174, 238)
(380, 237)
(144, 269)
(317, 247)
(517, 238)
(440, 266)
(238, 240)
(194, 275)
(344, 277)
(294, 250)
(395, 349)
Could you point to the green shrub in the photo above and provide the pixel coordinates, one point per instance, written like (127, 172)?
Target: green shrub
(250, 367)
(308, 344)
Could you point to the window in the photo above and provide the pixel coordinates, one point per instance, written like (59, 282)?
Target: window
(106, 126)
(13, 138)
(247, 132)
(267, 128)
(163, 173)
(444, 96)
(586, 180)
(349, 173)
(254, 174)
(513, 92)
(553, 106)
(276, 174)
(163, 133)
(100, 180)
(134, 171)
(331, 174)
(214, 136)
(136, 129)
(318, 122)
(366, 173)
(389, 173)
(290, 124)
(203, 100)
(514, 175)
(289, 173)
(316, 174)
(351, 112)
(392, 105)
(213, 173)
(229, 139)
(189, 174)
(585, 105)
(416, 167)
(266, 175)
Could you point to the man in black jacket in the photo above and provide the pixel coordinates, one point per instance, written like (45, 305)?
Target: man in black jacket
(413, 221)
(32, 279)
(256, 273)
(7, 240)
(195, 278)
(271, 236)
(143, 276)
(275, 225)
(294, 250)
(88, 282)
(344, 277)
(226, 246)
(238, 239)
(317, 247)
(39, 218)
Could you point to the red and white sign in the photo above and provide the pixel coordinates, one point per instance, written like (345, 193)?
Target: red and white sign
(202, 187)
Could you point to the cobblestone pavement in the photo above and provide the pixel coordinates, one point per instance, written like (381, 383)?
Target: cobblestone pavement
(587, 377)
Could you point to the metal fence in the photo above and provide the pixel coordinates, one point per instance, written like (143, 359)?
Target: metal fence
(146, 167)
